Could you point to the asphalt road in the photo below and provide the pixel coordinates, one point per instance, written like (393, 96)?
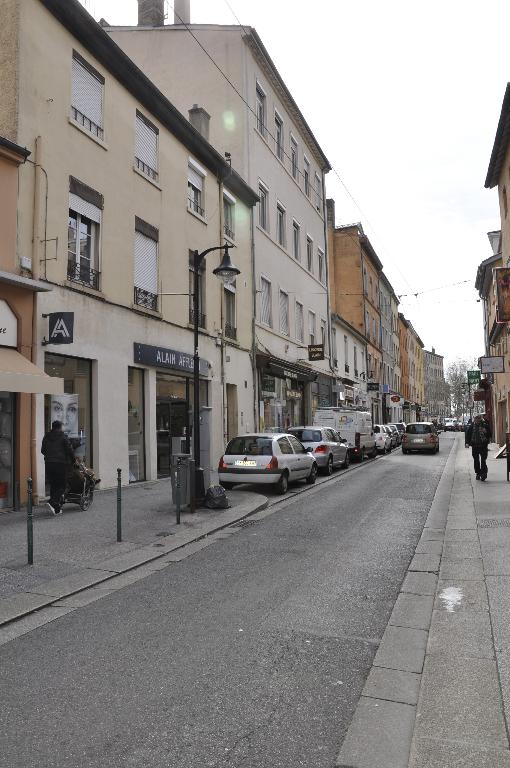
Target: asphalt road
(251, 653)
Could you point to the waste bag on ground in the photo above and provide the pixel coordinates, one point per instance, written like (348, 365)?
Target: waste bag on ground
(216, 498)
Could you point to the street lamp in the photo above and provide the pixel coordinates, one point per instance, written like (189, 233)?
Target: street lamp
(227, 273)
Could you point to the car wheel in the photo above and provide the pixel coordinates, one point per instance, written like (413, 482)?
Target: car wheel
(312, 477)
(328, 469)
(227, 486)
(362, 455)
(347, 460)
(374, 453)
(282, 485)
(404, 450)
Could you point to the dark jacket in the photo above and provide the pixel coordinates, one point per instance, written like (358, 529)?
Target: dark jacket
(478, 434)
(56, 448)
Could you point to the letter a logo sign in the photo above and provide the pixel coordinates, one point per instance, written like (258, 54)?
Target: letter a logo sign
(61, 327)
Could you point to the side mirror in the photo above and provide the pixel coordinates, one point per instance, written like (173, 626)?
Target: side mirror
(309, 449)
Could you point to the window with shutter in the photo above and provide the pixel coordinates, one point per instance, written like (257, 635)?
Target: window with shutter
(146, 151)
(83, 242)
(195, 190)
(299, 322)
(311, 326)
(265, 303)
(87, 96)
(146, 271)
(230, 311)
(284, 313)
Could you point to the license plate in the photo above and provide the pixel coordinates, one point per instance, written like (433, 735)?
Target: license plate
(245, 463)
(419, 440)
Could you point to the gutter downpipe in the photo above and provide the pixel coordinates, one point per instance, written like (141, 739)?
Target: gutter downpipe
(326, 257)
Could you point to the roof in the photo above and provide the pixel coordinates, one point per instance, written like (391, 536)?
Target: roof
(73, 16)
(365, 242)
(482, 274)
(14, 149)
(342, 321)
(389, 286)
(500, 143)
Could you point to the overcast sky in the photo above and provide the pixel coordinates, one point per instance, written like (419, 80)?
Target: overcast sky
(404, 99)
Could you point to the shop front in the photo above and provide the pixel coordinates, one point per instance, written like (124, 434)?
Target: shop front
(284, 391)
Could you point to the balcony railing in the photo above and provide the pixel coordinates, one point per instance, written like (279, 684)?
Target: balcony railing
(81, 272)
(146, 299)
(146, 169)
(201, 318)
(194, 206)
(230, 331)
(87, 123)
(229, 232)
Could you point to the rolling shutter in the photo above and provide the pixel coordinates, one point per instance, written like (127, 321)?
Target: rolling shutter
(284, 313)
(265, 312)
(84, 208)
(146, 263)
(87, 93)
(195, 178)
(299, 321)
(146, 143)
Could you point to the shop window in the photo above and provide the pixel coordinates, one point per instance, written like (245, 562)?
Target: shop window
(83, 234)
(136, 424)
(74, 407)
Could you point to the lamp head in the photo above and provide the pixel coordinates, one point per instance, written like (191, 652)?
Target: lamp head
(226, 271)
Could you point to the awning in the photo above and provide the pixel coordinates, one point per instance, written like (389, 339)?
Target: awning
(17, 374)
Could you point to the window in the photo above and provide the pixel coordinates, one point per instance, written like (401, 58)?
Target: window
(200, 305)
(367, 323)
(296, 238)
(334, 349)
(355, 361)
(263, 207)
(146, 149)
(296, 445)
(321, 263)
(284, 313)
(309, 254)
(278, 133)
(306, 174)
(280, 225)
(299, 322)
(84, 222)
(311, 327)
(265, 303)
(284, 445)
(346, 354)
(294, 157)
(229, 216)
(318, 192)
(196, 189)
(146, 265)
(87, 93)
(261, 110)
(229, 292)
(324, 336)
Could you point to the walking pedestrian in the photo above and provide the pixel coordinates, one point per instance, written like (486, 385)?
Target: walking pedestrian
(58, 453)
(478, 436)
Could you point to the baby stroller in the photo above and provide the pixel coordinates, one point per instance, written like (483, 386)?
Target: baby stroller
(81, 482)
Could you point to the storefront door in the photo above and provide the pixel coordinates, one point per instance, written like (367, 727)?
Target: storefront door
(7, 479)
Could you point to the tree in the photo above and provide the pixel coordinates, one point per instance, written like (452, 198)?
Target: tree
(456, 378)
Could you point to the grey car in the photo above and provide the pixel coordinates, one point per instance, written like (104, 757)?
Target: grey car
(325, 445)
(420, 436)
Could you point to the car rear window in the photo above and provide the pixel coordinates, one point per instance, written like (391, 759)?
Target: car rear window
(418, 429)
(250, 446)
(307, 435)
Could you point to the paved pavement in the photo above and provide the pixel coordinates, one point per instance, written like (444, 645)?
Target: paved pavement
(438, 694)
(77, 549)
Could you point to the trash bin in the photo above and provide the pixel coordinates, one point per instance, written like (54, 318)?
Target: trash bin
(180, 478)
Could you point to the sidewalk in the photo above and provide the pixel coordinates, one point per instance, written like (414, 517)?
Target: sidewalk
(438, 694)
(78, 549)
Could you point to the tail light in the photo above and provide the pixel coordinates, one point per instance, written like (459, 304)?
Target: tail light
(221, 465)
(321, 449)
(357, 439)
(273, 464)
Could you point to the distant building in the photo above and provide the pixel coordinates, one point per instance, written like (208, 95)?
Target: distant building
(436, 401)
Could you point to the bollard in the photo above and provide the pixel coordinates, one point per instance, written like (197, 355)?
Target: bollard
(30, 526)
(119, 505)
(191, 481)
(178, 467)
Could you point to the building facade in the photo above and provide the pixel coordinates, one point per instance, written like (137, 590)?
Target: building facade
(436, 400)
(125, 190)
(412, 368)
(349, 352)
(269, 141)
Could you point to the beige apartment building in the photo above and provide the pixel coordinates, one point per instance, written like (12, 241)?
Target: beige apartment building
(412, 366)
(256, 122)
(436, 398)
(122, 191)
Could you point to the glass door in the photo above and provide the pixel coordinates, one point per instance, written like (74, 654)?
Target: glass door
(136, 425)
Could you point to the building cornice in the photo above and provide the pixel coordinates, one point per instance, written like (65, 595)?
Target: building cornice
(11, 151)
(500, 146)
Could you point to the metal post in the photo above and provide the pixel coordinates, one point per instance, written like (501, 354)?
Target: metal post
(119, 505)
(30, 525)
(178, 491)
(197, 259)
(191, 479)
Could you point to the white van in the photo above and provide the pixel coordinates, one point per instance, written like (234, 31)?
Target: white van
(355, 426)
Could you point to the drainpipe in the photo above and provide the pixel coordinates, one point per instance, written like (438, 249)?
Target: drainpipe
(222, 325)
(256, 424)
(326, 258)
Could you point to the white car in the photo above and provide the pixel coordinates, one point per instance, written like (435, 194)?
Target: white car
(266, 458)
(382, 438)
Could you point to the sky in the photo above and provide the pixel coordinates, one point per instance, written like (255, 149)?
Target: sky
(404, 99)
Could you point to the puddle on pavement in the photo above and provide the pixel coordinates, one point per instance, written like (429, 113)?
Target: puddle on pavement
(451, 597)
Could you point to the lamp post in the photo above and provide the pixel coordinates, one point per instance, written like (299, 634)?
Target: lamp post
(226, 272)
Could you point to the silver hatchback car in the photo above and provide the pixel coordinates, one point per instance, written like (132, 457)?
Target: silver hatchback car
(326, 446)
(420, 436)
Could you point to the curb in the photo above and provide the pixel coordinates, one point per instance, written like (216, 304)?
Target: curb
(382, 727)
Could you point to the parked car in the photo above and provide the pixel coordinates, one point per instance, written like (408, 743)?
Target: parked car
(400, 425)
(420, 436)
(329, 449)
(382, 438)
(396, 435)
(450, 425)
(266, 458)
(355, 426)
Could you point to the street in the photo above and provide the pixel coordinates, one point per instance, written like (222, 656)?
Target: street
(251, 652)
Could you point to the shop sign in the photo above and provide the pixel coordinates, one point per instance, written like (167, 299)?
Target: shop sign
(162, 357)
(61, 328)
(385, 389)
(268, 385)
(315, 352)
(492, 364)
(373, 386)
(294, 394)
(473, 377)
(394, 400)
(8, 326)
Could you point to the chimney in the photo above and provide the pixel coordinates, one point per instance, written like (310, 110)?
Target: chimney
(182, 12)
(330, 206)
(151, 13)
(199, 119)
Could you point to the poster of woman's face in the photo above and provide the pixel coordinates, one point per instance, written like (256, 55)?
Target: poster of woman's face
(64, 408)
